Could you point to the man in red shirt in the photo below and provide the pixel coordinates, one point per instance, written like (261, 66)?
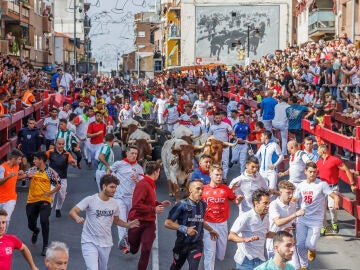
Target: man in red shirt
(8, 243)
(329, 167)
(96, 132)
(217, 196)
(144, 208)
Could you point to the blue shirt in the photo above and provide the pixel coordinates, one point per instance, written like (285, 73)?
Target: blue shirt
(270, 265)
(242, 130)
(189, 213)
(53, 79)
(295, 114)
(197, 174)
(268, 105)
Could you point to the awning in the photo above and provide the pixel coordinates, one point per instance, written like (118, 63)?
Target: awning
(145, 54)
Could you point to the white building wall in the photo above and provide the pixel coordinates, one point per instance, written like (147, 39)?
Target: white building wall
(188, 23)
(64, 17)
(302, 27)
(59, 50)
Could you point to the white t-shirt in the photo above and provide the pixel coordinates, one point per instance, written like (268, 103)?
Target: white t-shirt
(65, 81)
(297, 165)
(138, 109)
(99, 219)
(312, 197)
(220, 131)
(81, 129)
(196, 130)
(51, 128)
(248, 183)
(161, 105)
(200, 107)
(125, 114)
(278, 209)
(64, 115)
(247, 225)
(124, 172)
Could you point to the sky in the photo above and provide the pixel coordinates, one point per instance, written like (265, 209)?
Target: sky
(112, 30)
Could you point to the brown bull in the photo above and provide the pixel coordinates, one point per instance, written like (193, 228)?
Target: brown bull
(214, 148)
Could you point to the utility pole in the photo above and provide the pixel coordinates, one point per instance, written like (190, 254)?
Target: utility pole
(75, 43)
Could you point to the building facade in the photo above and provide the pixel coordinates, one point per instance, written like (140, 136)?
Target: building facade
(26, 28)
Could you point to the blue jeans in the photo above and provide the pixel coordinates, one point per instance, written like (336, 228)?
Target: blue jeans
(249, 264)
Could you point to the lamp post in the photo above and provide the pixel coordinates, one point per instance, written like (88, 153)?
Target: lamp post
(256, 31)
(75, 52)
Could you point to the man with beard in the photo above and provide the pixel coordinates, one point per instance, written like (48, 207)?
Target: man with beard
(284, 248)
(101, 212)
(250, 231)
(187, 218)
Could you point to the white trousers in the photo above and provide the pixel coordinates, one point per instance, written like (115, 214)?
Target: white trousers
(9, 207)
(95, 257)
(61, 194)
(270, 177)
(215, 249)
(330, 204)
(124, 204)
(306, 239)
(284, 135)
(239, 154)
(98, 175)
(83, 148)
(92, 150)
(268, 125)
(225, 162)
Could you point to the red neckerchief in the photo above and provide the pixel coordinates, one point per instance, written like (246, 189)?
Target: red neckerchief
(196, 123)
(203, 172)
(128, 161)
(149, 180)
(293, 156)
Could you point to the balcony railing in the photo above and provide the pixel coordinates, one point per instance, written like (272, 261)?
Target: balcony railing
(4, 46)
(322, 20)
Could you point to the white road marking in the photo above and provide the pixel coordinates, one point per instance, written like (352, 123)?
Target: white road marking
(155, 249)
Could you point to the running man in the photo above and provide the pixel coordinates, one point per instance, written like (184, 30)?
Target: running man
(312, 195)
(101, 212)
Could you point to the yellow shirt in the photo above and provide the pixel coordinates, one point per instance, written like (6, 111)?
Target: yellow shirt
(39, 184)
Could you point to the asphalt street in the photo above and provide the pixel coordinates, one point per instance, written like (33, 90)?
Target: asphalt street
(334, 251)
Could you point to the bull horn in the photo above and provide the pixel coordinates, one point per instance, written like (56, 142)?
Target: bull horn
(230, 144)
(199, 147)
(175, 148)
(158, 128)
(131, 141)
(151, 141)
(141, 127)
(195, 136)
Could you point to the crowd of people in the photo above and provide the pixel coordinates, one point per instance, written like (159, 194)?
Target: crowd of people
(285, 216)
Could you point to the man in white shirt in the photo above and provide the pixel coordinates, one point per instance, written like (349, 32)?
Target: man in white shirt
(65, 111)
(51, 125)
(281, 122)
(82, 122)
(245, 184)
(159, 108)
(283, 214)
(101, 212)
(270, 156)
(200, 106)
(312, 195)
(297, 162)
(221, 131)
(171, 114)
(65, 82)
(250, 231)
(128, 172)
(309, 149)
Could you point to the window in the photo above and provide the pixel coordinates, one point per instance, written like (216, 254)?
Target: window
(35, 42)
(40, 40)
(157, 65)
(141, 34)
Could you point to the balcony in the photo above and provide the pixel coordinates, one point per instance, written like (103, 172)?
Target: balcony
(13, 7)
(173, 32)
(4, 46)
(321, 22)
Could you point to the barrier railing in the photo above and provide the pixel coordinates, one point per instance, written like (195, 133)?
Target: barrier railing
(10, 126)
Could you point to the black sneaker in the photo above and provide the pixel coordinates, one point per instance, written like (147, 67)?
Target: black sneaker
(35, 235)
(58, 213)
(43, 253)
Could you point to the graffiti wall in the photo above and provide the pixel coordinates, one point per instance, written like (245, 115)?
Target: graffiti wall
(223, 33)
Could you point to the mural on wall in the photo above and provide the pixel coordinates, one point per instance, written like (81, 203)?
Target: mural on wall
(222, 32)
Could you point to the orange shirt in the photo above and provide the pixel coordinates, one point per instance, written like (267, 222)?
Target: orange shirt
(28, 98)
(8, 189)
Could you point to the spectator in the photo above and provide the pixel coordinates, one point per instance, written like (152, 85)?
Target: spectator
(57, 256)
